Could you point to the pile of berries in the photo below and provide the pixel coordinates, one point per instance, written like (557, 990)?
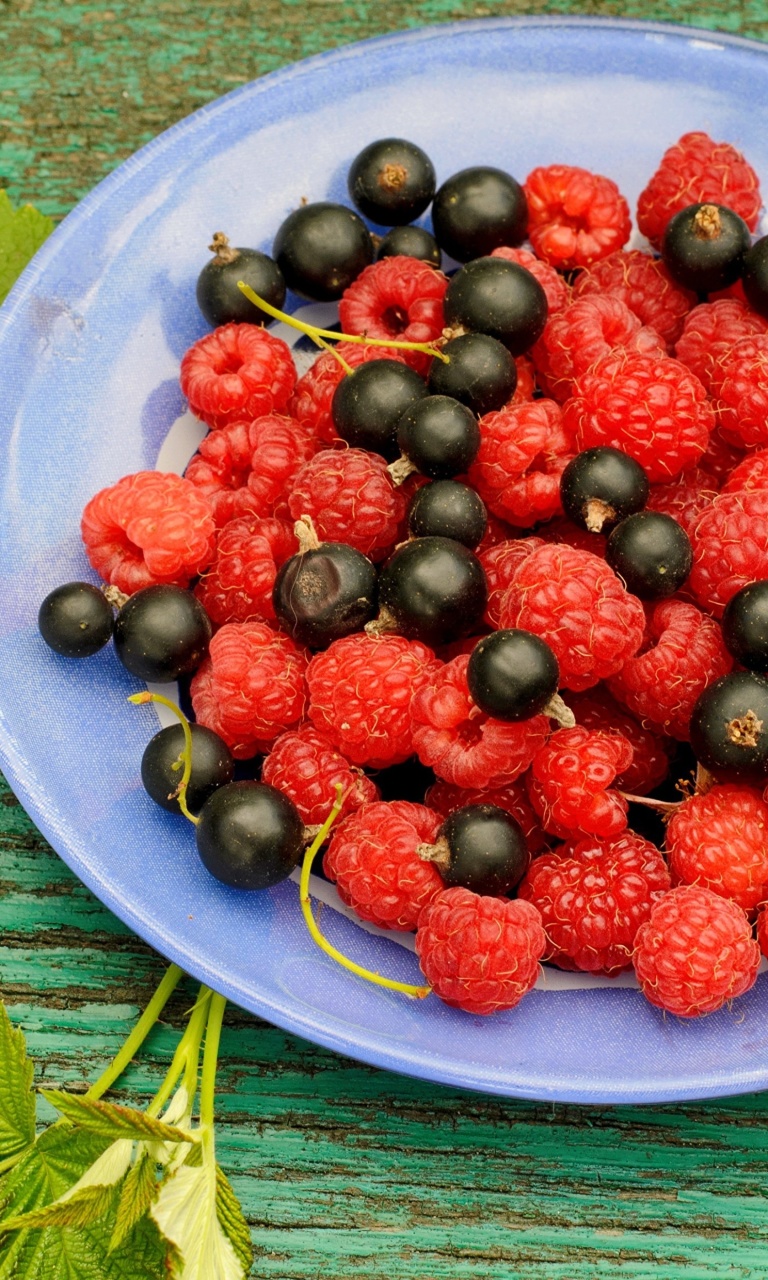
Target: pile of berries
(495, 568)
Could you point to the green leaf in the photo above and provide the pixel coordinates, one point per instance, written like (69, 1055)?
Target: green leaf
(79, 1210)
(17, 1102)
(232, 1221)
(58, 1159)
(112, 1121)
(137, 1195)
(22, 231)
(186, 1211)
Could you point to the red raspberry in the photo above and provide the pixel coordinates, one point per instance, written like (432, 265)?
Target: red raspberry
(762, 931)
(361, 689)
(683, 653)
(350, 497)
(556, 289)
(584, 332)
(236, 373)
(500, 563)
(149, 528)
(398, 298)
(311, 401)
(685, 498)
(372, 858)
(577, 604)
(563, 530)
(251, 687)
(480, 954)
(526, 382)
(751, 473)
(496, 531)
(695, 952)
(246, 468)
(596, 709)
(523, 452)
(651, 407)
(741, 393)
(730, 547)
(463, 745)
(445, 798)
(720, 459)
(694, 171)
(305, 766)
(593, 897)
(569, 778)
(709, 332)
(644, 285)
(238, 585)
(574, 216)
(720, 840)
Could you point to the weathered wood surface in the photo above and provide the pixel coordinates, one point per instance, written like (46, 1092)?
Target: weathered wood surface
(344, 1171)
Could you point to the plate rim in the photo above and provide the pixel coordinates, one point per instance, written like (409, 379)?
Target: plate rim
(11, 756)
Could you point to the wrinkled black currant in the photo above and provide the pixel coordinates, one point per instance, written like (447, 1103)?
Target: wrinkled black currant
(704, 247)
(602, 486)
(754, 277)
(161, 770)
(512, 674)
(729, 728)
(320, 596)
(477, 210)
(440, 436)
(410, 242)
(218, 296)
(745, 626)
(652, 553)
(483, 849)
(75, 620)
(500, 298)
(162, 633)
(321, 248)
(434, 590)
(481, 373)
(391, 181)
(448, 509)
(249, 835)
(370, 401)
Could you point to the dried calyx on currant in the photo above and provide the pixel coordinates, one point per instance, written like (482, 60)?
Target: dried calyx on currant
(601, 486)
(704, 247)
(391, 181)
(218, 296)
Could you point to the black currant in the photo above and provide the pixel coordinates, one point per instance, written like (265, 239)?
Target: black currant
(500, 298)
(218, 296)
(440, 436)
(370, 401)
(321, 248)
(512, 674)
(704, 247)
(601, 486)
(481, 373)
(162, 633)
(448, 509)
(477, 210)
(325, 592)
(652, 553)
(75, 620)
(729, 728)
(433, 590)
(391, 181)
(480, 847)
(754, 277)
(745, 626)
(161, 767)
(410, 242)
(249, 835)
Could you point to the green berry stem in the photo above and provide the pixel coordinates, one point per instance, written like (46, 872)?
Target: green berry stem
(186, 756)
(210, 1061)
(186, 1059)
(149, 1017)
(316, 334)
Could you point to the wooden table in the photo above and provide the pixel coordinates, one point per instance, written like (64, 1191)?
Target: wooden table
(343, 1170)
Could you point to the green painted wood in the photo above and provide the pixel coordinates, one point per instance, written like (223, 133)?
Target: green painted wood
(344, 1172)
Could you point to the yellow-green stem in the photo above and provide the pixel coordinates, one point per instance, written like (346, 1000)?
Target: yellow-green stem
(139, 1034)
(186, 1059)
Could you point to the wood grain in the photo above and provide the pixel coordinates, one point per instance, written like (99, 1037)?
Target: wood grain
(344, 1171)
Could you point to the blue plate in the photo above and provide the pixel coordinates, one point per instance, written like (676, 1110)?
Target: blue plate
(90, 342)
